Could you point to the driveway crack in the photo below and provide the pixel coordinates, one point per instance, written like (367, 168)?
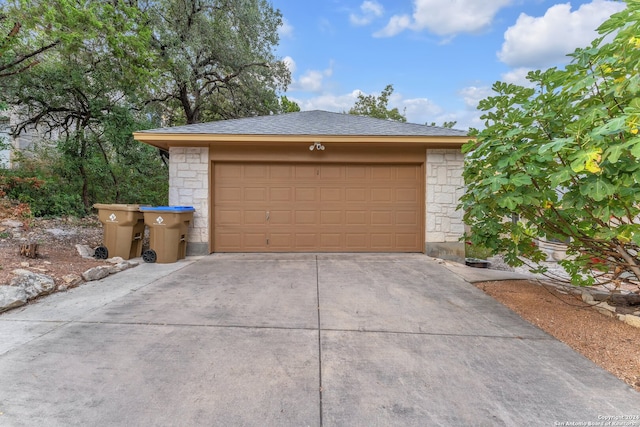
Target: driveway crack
(319, 340)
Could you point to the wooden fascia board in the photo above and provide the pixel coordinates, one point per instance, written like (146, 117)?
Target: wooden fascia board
(166, 140)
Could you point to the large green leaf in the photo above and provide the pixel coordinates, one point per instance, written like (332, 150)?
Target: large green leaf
(598, 189)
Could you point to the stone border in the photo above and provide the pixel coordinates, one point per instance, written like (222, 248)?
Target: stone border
(27, 285)
(596, 299)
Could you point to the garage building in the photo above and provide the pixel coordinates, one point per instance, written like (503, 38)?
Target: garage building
(316, 181)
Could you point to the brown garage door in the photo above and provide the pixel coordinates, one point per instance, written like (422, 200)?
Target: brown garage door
(270, 207)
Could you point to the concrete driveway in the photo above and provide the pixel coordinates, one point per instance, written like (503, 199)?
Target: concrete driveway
(292, 340)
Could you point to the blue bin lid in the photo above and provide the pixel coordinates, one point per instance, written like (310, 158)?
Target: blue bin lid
(167, 209)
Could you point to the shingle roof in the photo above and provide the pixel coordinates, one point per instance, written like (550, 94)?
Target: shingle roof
(311, 123)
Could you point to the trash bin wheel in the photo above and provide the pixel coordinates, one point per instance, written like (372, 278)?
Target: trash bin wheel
(149, 256)
(101, 253)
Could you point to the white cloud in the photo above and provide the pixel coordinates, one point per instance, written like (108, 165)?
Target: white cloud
(311, 80)
(419, 110)
(472, 95)
(446, 17)
(540, 42)
(286, 29)
(518, 76)
(397, 24)
(331, 102)
(370, 10)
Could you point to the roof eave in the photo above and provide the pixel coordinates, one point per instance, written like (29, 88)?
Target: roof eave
(167, 140)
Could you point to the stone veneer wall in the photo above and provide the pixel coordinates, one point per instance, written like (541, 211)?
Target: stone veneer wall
(189, 186)
(445, 186)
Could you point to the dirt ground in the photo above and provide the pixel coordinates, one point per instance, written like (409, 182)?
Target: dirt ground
(608, 342)
(57, 253)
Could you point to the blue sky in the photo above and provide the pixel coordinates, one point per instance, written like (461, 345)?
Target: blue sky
(441, 56)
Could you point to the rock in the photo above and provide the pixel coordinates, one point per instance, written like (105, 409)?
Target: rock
(11, 297)
(96, 273)
(58, 232)
(606, 306)
(70, 281)
(24, 264)
(85, 251)
(632, 320)
(115, 260)
(33, 284)
(12, 223)
(604, 311)
(588, 298)
(124, 265)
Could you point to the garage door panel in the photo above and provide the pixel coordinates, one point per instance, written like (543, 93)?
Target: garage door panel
(306, 217)
(407, 195)
(308, 194)
(331, 218)
(317, 207)
(409, 218)
(256, 171)
(406, 241)
(258, 217)
(381, 218)
(331, 194)
(357, 217)
(407, 172)
(382, 173)
(229, 217)
(228, 194)
(255, 194)
(231, 241)
(280, 217)
(281, 194)
(305, 171)
(284, 172)
(355, 172)
(280, 240)
(254, 241)
(331, 172)
(331, 241)
(382, 195)
(381, 240)
(357, 241)
(230, 171)
(356, 194)
(306, 241)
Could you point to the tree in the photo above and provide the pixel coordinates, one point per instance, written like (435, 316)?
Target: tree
(84, 87)
(216, 59)
(564, 157)
(446, 125)
(377, 106)
(11, 61)
(288, 106)
(122, 65)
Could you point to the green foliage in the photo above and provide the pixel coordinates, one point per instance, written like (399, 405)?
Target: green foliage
(287, 106)
(98, 71)
(446, 125)
(564, 156)
(216, 59)
(377, 106)
(50, 185)
(476, 251)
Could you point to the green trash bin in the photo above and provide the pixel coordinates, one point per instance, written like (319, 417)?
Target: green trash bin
(123, 231)
(168, 227)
